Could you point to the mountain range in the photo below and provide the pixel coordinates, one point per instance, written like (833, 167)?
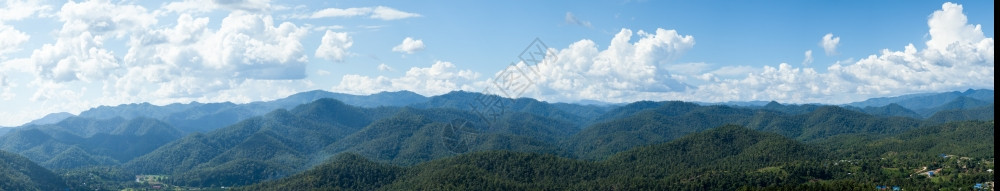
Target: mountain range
(405, 140)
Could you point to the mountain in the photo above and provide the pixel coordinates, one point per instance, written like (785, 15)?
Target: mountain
(493, 106)
(78, 142)
(50, 119)
(891, 110)
(19, 173)
(722, 158)
(924, 101)
(672, 120)
(417, 135)
(203, 117)
(979, 113)
(958, 103)
(259, 148)
(506, 170)
(285, 142)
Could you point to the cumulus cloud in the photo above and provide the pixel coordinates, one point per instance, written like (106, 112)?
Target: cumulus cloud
(571, 19)
(78, 53)
(20, 9)
(829, 44)
(12, 39)
(334, 46)
(957, 56)
(809, 58)
(379, 12)
(442, 77)
(623, 71)
(192, 60)
(409, 46)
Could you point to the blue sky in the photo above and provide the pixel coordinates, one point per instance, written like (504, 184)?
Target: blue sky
(69, 56)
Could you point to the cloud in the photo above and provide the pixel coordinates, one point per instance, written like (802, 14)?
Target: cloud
(409, 46)
(949, 26)
(809, 58)
(78, 52)
(336, 12)
(383, 67)
(958, 56)
(571, 19)
(623, 71)
(829, 44)
(14, 10)
(191, 60)
(203, 6)
(442, 77)
(379, 12)
(386, 13)
(11, 41)
(334, 46)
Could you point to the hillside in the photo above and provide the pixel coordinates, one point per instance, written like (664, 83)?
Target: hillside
(722, 158)
(78, 142)
(19, 173)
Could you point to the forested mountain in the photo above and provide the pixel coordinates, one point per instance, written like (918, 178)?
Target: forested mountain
(722, 158)
(269, 146)
(891, 110)
(675, 119)
(926, 102)
(979, 113)
(77, 142)
(19, 173)
(415, 142)
(203, 117)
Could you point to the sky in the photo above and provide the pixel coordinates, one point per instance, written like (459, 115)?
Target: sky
(69, 56)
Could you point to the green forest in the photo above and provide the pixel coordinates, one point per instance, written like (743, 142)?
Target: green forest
(319, 141)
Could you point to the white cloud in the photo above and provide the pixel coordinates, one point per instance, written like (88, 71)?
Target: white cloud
(409, 46)
(442, 77)
(11, 41)
(322, 72)
(13, 10)
(336, 12)
(386, 13)
(379, 12)
(203, 6)
(692, 68)
(809, 58)
(571, 19)
(334, 46)
(623, 71)
(829, 44)
(78, 53)
(383, 67)
(958, 56)
(191, 60)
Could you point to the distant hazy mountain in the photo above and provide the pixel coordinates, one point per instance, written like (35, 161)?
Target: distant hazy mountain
(203, 117)
(926, 100)
(51, 118)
